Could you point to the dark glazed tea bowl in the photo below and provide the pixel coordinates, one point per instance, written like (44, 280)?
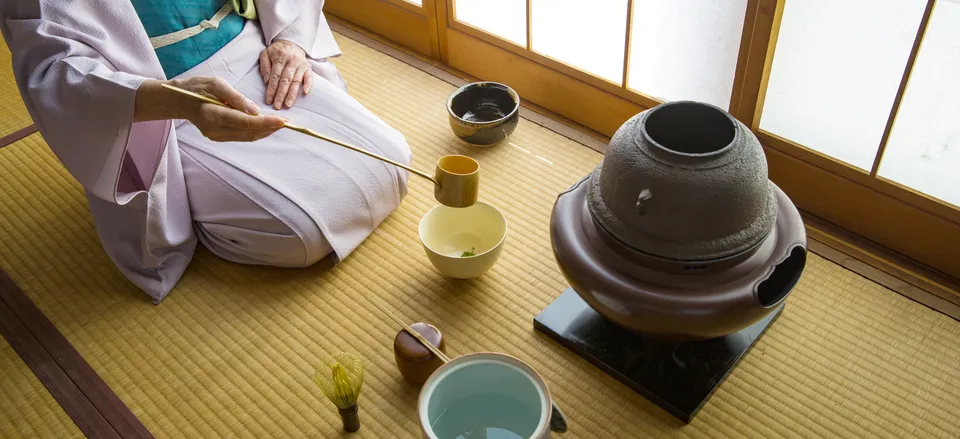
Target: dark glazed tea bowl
(484, 113)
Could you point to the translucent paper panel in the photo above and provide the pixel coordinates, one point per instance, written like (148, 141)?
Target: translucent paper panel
(923, 151)
(836, 72)
(686, 49)
(504, 18)
(416, 2)
(587, 35)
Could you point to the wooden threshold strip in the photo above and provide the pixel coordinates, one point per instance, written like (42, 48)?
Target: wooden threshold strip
(86, 398)
(63, 389)
(883, 266)
(17, 135)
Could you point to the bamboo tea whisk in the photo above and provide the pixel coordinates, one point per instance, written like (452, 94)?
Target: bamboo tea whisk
(341, 379)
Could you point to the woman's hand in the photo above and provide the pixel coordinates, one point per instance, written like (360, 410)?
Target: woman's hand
(240, 122)
(285, 69)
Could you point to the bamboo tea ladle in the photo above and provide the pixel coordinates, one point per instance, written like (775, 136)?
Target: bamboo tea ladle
(456, 179)
(558, 420)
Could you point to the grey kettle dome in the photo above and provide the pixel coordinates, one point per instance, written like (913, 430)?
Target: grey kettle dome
(684, 181)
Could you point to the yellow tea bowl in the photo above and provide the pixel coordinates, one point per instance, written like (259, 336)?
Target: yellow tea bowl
(463, 243)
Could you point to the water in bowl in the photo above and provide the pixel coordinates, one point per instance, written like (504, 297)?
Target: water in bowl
(489, 416)
(485, 112)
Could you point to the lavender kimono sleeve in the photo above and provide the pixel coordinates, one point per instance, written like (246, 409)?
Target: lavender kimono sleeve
(78, 69)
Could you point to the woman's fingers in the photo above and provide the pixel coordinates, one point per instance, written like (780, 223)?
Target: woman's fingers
(286, 80)
(286, 72)
(307, 82)
(225, 124)
(274, 81)
(226, 93)
(235, 119)
(295, 86)
(265, 65)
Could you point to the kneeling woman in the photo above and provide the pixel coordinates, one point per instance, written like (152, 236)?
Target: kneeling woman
(162, 171)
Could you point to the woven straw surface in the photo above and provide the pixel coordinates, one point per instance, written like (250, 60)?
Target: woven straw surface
(26, 408)
(232, 350)
(13, 115)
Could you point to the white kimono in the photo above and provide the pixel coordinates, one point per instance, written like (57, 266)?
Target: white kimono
(155, 187)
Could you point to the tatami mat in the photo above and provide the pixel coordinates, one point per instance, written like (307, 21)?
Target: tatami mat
(231, 351)
(26, 408)
(13, 115)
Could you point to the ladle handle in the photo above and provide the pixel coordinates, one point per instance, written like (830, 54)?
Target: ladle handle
(309, 132)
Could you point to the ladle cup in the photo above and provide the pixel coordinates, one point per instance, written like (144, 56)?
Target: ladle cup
(456, 179)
